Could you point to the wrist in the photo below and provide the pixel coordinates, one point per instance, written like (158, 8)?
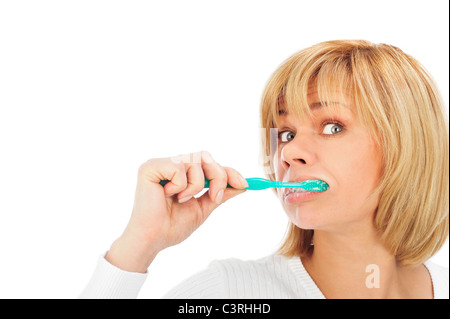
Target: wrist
(130, 254)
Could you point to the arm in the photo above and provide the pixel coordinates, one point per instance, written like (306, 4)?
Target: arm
(161, 217)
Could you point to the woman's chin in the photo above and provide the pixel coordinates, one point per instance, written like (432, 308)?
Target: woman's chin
(308, 219)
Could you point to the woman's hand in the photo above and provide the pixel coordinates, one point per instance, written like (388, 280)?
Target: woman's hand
(165, 216)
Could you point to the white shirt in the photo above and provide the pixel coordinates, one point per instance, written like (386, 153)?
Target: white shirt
(272, 277)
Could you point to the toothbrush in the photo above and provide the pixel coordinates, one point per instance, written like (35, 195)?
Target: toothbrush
(256, 183)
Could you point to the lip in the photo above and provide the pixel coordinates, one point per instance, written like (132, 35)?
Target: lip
(300, 196)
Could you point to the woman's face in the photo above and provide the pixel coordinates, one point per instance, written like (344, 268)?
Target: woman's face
(336, 148)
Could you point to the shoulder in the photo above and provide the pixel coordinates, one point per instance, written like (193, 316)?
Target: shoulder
(237, 278)
(440, 278)
(273, 276)
(269, 268)
(270, 264)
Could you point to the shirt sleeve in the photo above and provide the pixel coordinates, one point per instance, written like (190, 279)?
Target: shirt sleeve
(206, 284)
(110, 282)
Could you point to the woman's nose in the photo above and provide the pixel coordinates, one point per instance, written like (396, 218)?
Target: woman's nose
(298, 152)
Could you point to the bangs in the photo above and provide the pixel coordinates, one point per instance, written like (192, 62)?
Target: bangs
(329, 78)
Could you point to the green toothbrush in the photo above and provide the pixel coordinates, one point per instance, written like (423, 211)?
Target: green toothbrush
(256, 183)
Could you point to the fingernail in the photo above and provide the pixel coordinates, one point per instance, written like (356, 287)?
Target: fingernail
(219, 196)
(185, 199)
(244, 182)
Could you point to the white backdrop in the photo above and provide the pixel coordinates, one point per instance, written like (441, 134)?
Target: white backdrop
(89, 90)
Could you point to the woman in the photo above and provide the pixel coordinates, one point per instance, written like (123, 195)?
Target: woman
(367, 119)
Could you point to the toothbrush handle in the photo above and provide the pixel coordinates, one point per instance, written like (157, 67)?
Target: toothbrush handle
(254, 183)
(165, 181)
(257, 183)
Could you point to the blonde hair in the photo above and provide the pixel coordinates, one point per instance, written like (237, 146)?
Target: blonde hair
(396, 98)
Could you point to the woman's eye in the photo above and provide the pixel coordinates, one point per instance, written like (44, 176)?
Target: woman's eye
(332, 129)
(286, 136)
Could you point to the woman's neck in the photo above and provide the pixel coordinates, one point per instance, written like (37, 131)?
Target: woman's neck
(360, 266)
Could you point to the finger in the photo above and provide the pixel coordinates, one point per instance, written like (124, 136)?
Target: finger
(207, 205)
(183, 162)
(235, 179)
(158, 169)
(217, 176)
(176, 174)
(195, 182)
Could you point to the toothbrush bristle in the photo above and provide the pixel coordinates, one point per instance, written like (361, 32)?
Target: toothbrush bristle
(312, 185)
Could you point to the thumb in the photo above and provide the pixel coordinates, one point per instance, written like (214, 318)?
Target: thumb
(230, 193)
(208, 205)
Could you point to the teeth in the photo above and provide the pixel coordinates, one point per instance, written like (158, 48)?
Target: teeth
(293, 190)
